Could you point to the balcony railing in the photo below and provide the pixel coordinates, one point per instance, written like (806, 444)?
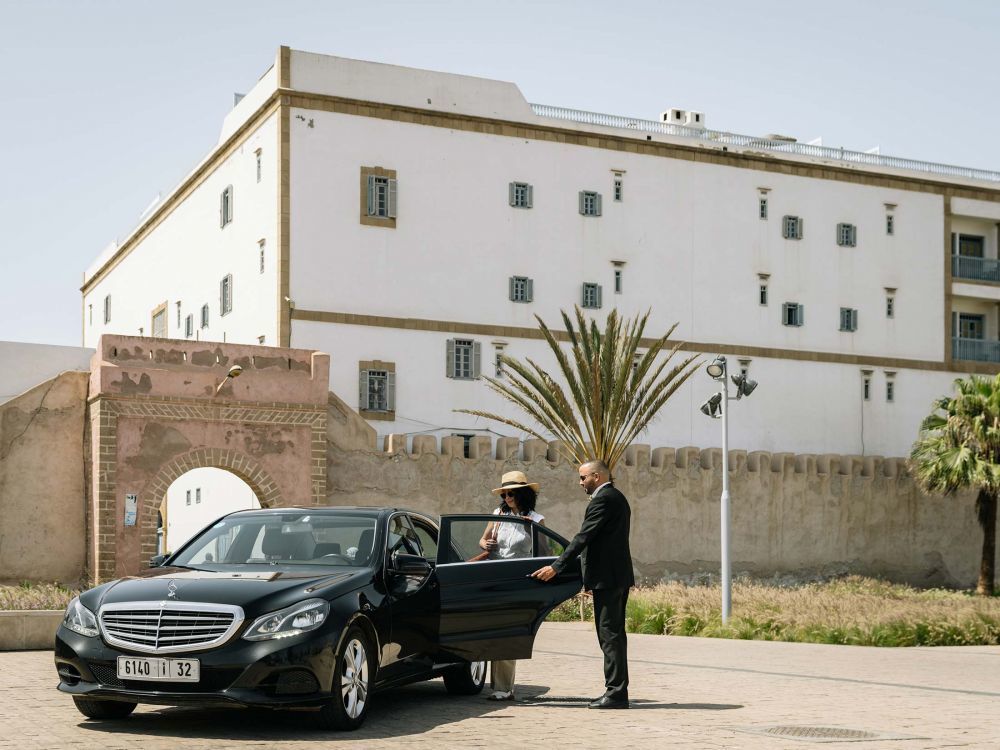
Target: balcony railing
(980, 269)
(756, 142)
(977, 350)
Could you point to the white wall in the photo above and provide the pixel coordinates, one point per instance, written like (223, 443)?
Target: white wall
(221, 493)
(26, 365)
(186, 256)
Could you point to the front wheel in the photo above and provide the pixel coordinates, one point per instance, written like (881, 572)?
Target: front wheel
(98, 709)
(351, 684)
(466, 679)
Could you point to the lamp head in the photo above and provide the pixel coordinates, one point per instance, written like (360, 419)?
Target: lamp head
(712, 407)
(234, 371)
(717, 368)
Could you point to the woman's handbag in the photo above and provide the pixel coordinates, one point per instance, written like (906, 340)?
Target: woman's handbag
(485, 554)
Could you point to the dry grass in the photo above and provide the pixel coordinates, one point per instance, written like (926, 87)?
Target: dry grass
(853, 611)
(28, 595)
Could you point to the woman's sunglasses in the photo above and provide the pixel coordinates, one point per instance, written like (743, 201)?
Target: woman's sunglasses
(508, 494)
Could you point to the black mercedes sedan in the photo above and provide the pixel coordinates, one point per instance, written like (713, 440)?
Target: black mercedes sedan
(316, 608)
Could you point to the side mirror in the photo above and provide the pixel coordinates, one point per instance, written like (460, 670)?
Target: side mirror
(413, 565)
(157, 561)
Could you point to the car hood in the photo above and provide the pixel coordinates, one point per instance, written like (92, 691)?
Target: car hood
(253, 590)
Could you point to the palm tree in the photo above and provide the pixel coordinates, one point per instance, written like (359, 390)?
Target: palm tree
(613, 391)
(959, 448)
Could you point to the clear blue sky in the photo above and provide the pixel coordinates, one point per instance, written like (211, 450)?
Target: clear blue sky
(104, 104)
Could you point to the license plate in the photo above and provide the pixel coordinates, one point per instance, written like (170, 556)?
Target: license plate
(168, 670)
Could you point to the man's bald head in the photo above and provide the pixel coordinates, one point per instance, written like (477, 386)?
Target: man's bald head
(593, 474)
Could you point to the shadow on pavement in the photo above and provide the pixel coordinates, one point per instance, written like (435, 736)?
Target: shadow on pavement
(409, 710)
(539, 696)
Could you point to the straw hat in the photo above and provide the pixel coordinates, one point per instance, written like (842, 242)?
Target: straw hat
(512, 480)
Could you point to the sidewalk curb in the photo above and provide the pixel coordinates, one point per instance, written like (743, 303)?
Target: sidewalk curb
(29, 630)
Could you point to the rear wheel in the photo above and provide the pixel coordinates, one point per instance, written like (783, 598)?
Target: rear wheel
(97, 709)
(351, 684)
(466, 679)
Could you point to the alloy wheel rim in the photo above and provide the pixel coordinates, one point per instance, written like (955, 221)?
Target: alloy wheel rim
(478, 671)
(354, 678)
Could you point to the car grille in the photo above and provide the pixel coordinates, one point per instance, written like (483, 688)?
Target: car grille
(211, 680)
(168, 627)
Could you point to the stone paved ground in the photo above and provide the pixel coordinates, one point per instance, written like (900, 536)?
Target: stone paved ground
(687, 693)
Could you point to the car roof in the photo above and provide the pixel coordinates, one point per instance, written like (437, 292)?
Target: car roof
(326, 510)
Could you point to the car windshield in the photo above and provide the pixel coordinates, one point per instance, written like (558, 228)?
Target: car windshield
(298, 538)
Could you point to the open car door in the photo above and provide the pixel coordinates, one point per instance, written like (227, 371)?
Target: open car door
(491, 608)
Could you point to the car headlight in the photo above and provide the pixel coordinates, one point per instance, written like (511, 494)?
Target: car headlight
(79, 619)
(299, 618)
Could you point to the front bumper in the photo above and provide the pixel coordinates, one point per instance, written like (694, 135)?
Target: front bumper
(289, 673)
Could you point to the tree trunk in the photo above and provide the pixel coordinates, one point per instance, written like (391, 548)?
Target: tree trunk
(986, 506)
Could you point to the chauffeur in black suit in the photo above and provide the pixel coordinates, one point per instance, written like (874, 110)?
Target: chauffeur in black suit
(602, 546)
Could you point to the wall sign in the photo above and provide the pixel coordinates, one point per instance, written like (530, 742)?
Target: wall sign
(131, 509)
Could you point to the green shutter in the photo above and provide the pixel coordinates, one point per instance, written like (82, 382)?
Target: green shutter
(363, 389)
(530, 290)
(392, 199)
(597, 208)
(512, 193)
(531, 192)
(449, 359)
(476, 358)
(510, 287)
(390, 391)
(371, 195)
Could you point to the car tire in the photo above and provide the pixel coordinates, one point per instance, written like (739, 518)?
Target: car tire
(98, 709)
(352, 682)
(467, 678)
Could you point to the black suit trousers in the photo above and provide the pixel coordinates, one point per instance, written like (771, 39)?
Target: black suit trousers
(609, 618)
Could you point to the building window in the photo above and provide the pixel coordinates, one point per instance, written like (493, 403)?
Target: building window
(890, 224)
(90, 315)
(178, 316)
(107, 309)
(971, 326)
(378, 197)
(466, 442)
(847, 235)
(591, 295)
(463, 359)
(521, 289)
(619, 184)
(142, 331)
(866, 385)
(204, 316)
(226, 206)
(197, 495)
(520, 195)
(260, 249)
(762, 294)
(791, 228)
(890, 303)
(970, 245)
(377, 390)
(159, 322)
(590, 203)
(498, 361)
(745, 367)
(618, 281)
(793, 314)
(848, 319)
(187, 497)
(189, 326)
(261, 340)
(226, 294)
(257, 155)
(762, 208)
(890, 389)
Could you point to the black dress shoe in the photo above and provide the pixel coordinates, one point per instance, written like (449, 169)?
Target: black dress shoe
(606, 702)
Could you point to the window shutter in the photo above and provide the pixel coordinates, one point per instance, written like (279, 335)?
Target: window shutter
(449, 359)
(954, 243)
(477, 354)
(363, 389)
(854, 320)
(854, 236)
(799, 222)
(229, 204)
(581, 201)
(599, 288)
(510, 194)
(510, 288)
(222, 298)
(531, 290)
(531, 196)
(954, 322)
(840, 235)
(390, 391)
(371, 195)
(802, 315)
(222, 208)
(583, 296)
(597, 206)
(392, 199)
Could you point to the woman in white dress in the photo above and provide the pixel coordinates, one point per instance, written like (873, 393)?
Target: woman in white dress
(507, 540)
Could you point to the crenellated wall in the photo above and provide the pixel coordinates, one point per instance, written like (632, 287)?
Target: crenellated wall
(801, 515)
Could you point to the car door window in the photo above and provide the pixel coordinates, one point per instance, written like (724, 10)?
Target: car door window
(513, 536)
(401, 537)
(427, 536)
(547, 544)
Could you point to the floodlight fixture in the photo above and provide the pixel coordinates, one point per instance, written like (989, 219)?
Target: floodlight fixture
(744, 386)
(717, 368)
(711, 407)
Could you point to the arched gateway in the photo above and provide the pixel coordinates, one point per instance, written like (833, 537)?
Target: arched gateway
(159, 408)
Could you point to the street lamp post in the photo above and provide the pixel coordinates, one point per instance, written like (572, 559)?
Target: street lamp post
(718, 407)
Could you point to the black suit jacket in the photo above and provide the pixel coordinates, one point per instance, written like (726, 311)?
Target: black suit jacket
(602, 544)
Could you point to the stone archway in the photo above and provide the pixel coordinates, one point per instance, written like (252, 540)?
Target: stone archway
(235, 462)
(159, 408)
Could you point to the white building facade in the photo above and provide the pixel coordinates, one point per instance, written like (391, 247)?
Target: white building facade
(413, 224)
